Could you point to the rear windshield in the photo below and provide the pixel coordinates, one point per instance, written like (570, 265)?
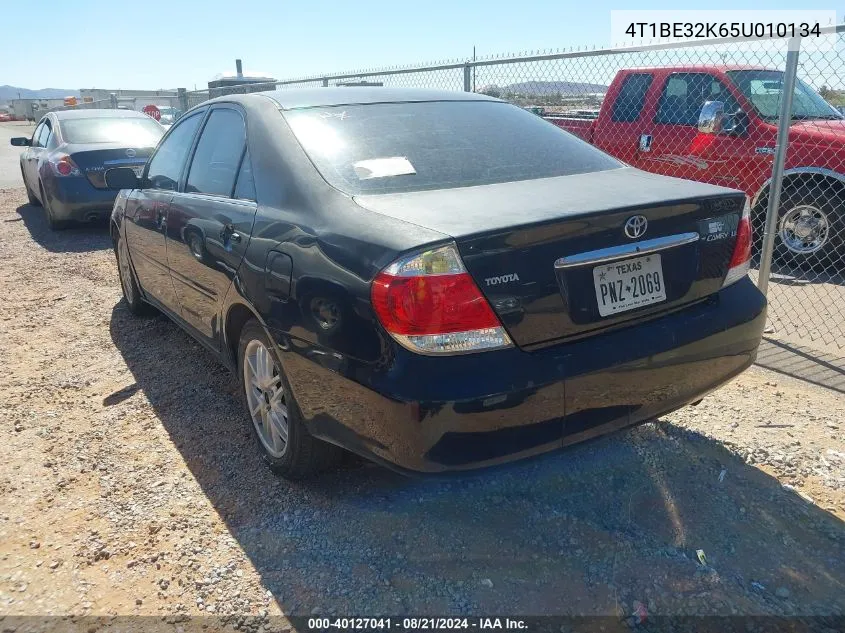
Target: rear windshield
(398, 147)
(140, 132)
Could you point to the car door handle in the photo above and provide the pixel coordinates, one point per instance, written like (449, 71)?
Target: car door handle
(161, 217)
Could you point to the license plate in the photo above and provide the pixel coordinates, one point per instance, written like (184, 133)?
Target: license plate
(629, 284)
(139, 169)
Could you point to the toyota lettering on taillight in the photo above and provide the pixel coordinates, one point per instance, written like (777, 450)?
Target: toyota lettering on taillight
(430, 304)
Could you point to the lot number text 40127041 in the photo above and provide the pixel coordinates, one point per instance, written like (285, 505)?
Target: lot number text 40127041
(415, 624)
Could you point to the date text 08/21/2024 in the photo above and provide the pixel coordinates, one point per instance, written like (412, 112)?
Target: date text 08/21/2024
(415, 624)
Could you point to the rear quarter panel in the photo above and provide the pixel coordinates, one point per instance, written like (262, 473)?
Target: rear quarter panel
(334, 247)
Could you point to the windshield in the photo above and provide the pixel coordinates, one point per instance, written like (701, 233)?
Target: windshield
(398, 147)
(140, 132)
(763, 88)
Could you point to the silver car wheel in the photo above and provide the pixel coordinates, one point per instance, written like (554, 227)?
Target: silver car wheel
(265, 395)
(804, 229)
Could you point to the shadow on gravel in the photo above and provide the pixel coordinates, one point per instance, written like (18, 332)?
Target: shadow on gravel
(805, 363)
(82, 238)
(789, 275)
(587, 530)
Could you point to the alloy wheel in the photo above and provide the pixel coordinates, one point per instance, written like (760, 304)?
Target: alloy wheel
(266, 397)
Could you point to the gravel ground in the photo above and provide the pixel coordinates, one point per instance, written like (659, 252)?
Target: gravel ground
(130, 484)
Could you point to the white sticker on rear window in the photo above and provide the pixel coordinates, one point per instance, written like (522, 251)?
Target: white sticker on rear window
(383, 167)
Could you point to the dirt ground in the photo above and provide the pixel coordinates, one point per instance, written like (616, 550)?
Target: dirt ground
(129, 484)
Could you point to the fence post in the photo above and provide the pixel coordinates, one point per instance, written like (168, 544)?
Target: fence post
(467, 77)
(182, 96)
(113, 101)
(325, 82)
(781, 146)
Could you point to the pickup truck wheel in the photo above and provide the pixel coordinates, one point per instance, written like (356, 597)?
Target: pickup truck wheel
(285, 444)
(811, 229)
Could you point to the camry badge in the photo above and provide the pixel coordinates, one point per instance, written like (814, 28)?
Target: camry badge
(636, 226)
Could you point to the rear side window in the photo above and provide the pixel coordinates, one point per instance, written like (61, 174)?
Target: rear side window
(52, 141)
(36, 135)
(218, 155)
(398, 147)
(245, 189)
(684, 94)
(631, 98)
(166, 165)
(44, 135)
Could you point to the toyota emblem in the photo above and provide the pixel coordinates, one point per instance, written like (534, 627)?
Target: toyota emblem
(130, 153)
(636, 226)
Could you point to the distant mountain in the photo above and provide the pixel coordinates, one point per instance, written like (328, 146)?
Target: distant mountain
(565, 88)
(7, 93)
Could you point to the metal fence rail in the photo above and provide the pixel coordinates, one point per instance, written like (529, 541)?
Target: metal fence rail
(173, 105)
(787, 154)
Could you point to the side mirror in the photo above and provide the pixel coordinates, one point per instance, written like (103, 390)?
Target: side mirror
(736, 123)
(711, 118)
(121, 178)
(20, 141)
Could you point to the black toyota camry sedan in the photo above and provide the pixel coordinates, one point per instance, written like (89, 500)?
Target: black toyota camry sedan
(434, 280)
(66, 157)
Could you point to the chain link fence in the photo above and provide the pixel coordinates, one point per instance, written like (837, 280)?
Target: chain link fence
(85, 105)
(706, 111)
(169, 107)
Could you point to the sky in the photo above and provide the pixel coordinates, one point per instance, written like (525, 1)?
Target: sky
(155, 44)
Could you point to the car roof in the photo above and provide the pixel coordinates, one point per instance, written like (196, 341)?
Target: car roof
(353, 95)
(97, 113)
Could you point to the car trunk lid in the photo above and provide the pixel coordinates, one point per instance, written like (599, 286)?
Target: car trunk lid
(546, 253)
(94, 160)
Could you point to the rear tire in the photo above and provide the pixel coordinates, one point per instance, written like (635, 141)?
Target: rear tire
(52, 222)
(285, 444)
(128, 283)
(35, 202)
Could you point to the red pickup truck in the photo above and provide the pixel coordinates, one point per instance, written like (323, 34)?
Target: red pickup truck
(718, 124)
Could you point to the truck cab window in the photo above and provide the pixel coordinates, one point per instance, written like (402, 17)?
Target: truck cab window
(684, 94)
(629, 103)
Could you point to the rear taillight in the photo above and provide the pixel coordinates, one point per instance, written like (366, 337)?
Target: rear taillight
(741, 259)
(429, 303)
(62, 165)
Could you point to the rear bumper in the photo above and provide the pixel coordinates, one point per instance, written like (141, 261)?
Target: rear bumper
(77, 199)
(431, 415)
